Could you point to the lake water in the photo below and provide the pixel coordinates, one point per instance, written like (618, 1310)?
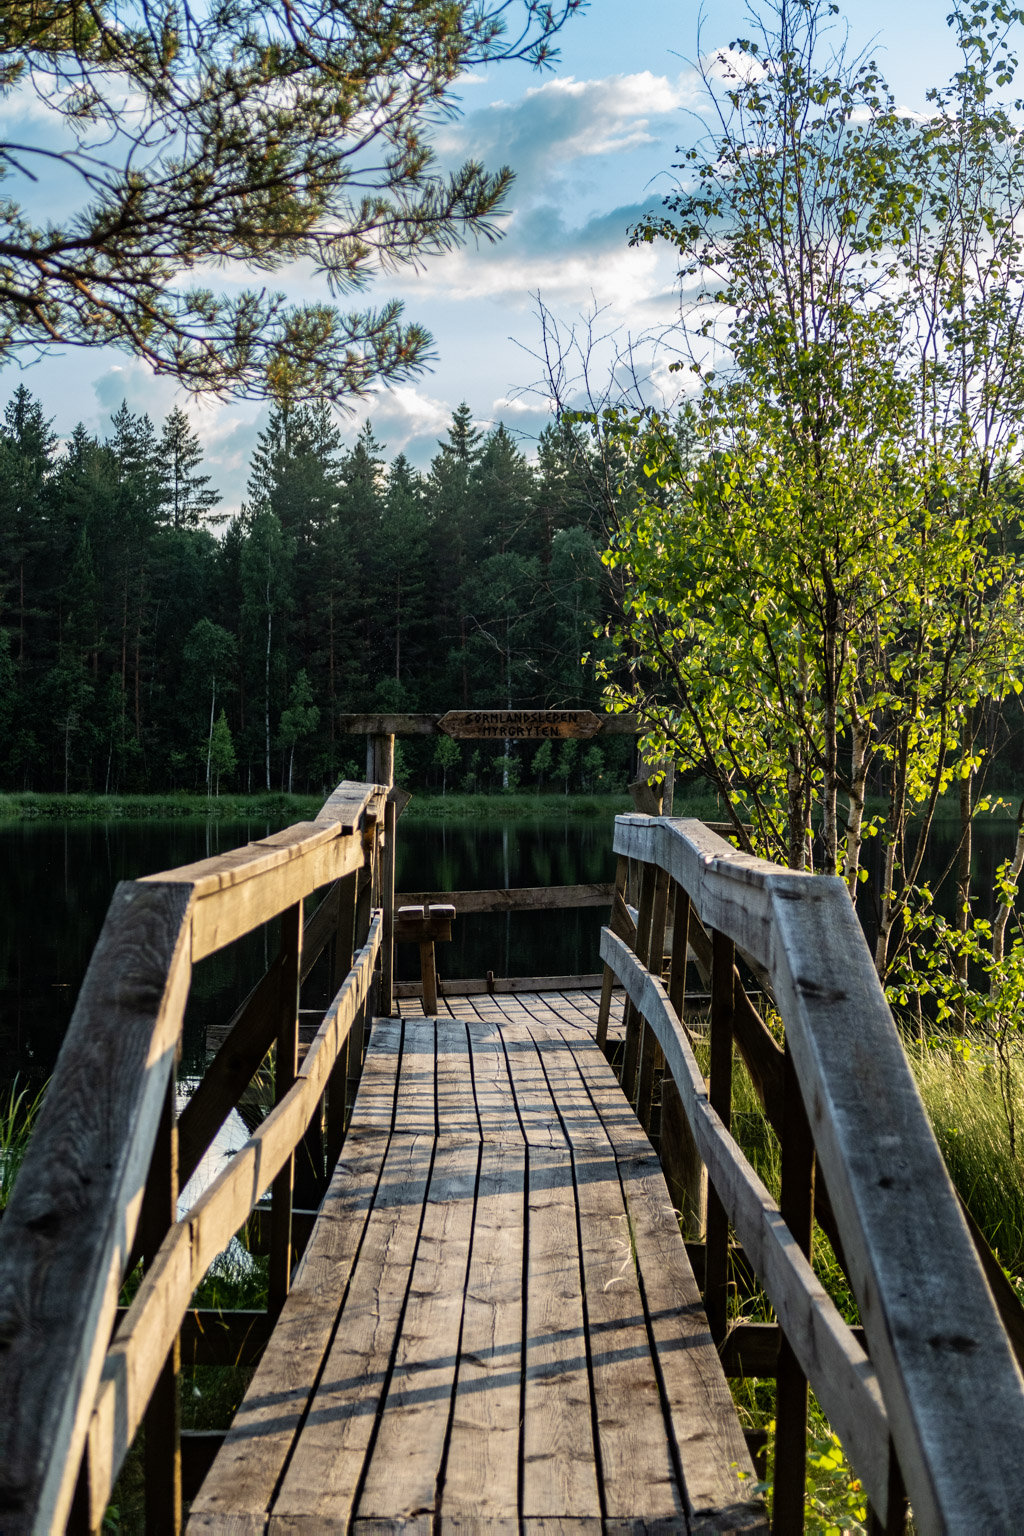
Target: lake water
(56, 880)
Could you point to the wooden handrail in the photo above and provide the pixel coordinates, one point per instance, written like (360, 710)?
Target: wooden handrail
(155, 1316)
(72, 1219)
(952, 1392)
(833, 1360)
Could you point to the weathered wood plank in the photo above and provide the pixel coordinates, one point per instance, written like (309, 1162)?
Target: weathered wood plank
(731, 890)
(559, 1473)
(481, 1480)
(401, 1480)
(581, 1124)
(637, 1473)
(715, 1466)
(457, 1118)
(416, 1102)
(237, 906)
(621, 1126)
(322, 1478)
(534, 1104)
(376, 1094)
(492, 1088)
(243, 1478)
(67, 1232)
(346, 805)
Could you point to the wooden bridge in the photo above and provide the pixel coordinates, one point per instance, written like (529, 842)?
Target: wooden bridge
(482, 1313)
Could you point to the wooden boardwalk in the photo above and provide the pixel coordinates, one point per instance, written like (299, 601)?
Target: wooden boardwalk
(494, 1326)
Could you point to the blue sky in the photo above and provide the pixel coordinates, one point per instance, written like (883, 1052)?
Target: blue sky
(592, 144)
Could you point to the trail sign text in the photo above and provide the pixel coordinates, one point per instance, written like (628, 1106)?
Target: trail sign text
(518, 724)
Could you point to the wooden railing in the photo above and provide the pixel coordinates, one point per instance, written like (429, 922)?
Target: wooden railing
(933, 1406)
(525, 898)
(99, 1186)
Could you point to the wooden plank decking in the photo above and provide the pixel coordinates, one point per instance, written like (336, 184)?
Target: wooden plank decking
(494, 1326)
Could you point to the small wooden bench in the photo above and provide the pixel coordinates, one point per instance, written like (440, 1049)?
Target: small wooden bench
(425, 926)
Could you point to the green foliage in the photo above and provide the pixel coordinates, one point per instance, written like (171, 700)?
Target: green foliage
(447, 755)
(254, 134)
(221, 752)
(820, 571)
(543, 763)
(346, 584)
(568, 756)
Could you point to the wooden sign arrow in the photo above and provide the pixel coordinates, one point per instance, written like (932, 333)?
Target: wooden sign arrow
(518, 724)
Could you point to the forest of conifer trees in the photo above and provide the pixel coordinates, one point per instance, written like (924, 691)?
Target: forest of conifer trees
(148, 643)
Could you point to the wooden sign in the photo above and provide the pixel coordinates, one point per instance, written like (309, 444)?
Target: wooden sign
(518, 724)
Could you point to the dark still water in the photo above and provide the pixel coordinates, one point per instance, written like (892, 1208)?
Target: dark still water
(56, 880)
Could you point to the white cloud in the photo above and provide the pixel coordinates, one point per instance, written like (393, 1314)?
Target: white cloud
(567, 120)
(541, 251)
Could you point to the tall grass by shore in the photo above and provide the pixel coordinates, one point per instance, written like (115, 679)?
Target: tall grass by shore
(967, 1113)
(521, 806)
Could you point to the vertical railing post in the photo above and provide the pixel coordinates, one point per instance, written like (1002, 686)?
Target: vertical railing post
(337, 1083)
(387, 980)
(285, 1071)
(367, 883)
(797, 1207)
(631, 1013)
(681, 1161)
(716, 1286)
(894, 1522)
(608, 979)
(650, 1051)
(163, 1416)
(380, 760)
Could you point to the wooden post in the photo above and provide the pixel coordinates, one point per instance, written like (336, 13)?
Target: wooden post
(344, 948)
(608, 979)
(428, 971)
(632, 1015)
(895, 1521)
(163, 1416)
(285, 1071)
(684, 1168)
(650, 1051)
(387, 980)
(380, 760)
(364, 904)
(797, 1206)
(720, 1095)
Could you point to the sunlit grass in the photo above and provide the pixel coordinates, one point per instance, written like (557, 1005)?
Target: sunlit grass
(18, 1112)
(966, 1110)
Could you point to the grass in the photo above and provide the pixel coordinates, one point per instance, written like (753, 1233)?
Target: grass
(962, 1099)
(834, 1500)
(519, 806)
(26, 806)
(17, 1117)
(967, 1114)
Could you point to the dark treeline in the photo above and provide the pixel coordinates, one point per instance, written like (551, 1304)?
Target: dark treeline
(148, 644)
